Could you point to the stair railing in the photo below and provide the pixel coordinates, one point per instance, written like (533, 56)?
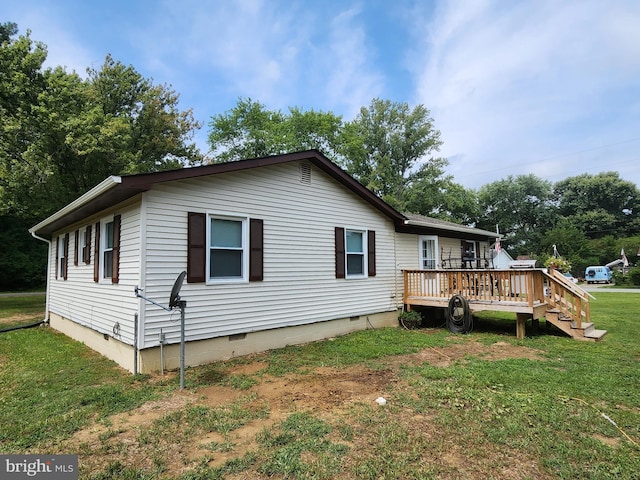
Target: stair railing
(567, 297)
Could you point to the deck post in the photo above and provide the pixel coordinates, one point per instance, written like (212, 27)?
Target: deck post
(521, 323)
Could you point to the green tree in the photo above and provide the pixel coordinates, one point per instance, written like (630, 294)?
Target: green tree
(78, 132)
(440, 197)
(21, 82)
(571, 243)
(60, 134)
(386, 148)
(522, 207)
(600, 205)
(249, 130)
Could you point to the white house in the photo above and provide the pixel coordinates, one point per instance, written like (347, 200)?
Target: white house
(278, 250)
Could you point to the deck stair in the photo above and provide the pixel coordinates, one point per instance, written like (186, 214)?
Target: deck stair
(569, 309)
(585, 331)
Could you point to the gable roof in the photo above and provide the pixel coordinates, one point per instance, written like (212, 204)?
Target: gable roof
(116, 189)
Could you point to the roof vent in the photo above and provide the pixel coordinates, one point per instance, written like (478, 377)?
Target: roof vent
(305, 173)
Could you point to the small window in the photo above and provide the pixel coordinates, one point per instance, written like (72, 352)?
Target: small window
(227, 248)
(62, 261)
(356, 253)
(82, 245)
(107, 250)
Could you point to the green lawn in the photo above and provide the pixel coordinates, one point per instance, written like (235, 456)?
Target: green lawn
(569, 410)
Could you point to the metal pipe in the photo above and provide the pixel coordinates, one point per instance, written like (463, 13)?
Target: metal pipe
(183, 306)
(48, 242)
(161, 352)
(135, 343)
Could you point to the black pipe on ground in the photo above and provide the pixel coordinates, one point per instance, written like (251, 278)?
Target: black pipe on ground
(22, 327)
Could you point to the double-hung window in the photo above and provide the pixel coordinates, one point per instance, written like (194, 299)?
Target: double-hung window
(356, 253)
(107, 250)
(62, 253)
(228, 255)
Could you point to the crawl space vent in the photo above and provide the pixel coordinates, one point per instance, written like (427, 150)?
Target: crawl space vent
(305, 173)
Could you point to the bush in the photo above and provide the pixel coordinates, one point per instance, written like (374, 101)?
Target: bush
(410, 320)
(634, 276)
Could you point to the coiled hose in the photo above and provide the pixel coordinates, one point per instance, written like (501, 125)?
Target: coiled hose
(459, 318)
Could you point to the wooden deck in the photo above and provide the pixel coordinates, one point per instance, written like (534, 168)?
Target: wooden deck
(530, 293)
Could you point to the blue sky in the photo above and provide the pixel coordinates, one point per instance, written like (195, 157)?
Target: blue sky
(547, 87)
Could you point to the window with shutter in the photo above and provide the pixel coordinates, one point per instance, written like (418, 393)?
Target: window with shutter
(106, 265)
(355, 253)
(224, 248)
(86, 246)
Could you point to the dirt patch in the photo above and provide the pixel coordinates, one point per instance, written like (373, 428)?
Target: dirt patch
(612, 442)
(445, 357)
(328, 393)
(21, 318)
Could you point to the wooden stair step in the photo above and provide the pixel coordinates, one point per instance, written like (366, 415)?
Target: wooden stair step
(595, 334)
(584, 326)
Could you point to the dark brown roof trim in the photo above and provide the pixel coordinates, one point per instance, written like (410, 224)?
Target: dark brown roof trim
(132, 185)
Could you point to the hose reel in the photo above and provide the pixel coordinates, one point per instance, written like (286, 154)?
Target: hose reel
(459, 317)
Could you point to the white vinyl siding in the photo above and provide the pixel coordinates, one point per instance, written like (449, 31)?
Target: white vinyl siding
(104, 307)
(299, 284)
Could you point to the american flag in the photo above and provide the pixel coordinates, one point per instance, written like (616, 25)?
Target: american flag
(497, 240)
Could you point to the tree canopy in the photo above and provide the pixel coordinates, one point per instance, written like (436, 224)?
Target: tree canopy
(249, 130)
(61, 134)
(599, 205)
(387, 147)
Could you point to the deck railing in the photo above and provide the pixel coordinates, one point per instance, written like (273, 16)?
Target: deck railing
(525, 287)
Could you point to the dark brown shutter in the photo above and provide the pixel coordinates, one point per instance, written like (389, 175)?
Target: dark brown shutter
(256, 248)
(115, 274)
(96, 254)
(57, 255)
(75, 249)
(340, 270)
(65, 265)
(196, 249)
(371, 252)
(87, 245)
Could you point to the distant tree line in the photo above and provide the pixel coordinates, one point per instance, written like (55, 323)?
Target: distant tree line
(61, 134)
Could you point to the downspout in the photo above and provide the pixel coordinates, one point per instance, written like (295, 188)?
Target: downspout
(46, 307)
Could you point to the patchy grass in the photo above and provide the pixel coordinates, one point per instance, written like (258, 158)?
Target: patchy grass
(19, 310)
(484, 405)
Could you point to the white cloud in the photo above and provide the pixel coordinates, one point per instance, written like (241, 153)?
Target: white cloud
(350, 80)
(250, 47)
(511, 85)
